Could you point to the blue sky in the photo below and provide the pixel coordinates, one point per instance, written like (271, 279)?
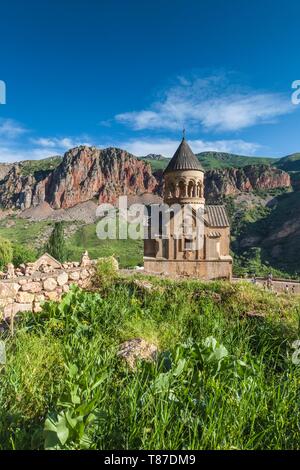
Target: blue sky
(133, 73)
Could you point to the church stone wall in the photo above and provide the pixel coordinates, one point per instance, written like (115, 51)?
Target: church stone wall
(202, 269)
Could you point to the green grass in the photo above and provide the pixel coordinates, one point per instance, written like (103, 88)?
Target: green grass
(128, 252)
(32, 167)
(33, 235)
(221, 380)
(23, 232)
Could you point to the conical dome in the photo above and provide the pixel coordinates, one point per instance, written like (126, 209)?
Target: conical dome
(183, 159)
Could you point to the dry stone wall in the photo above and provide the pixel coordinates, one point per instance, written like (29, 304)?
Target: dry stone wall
(26, 288)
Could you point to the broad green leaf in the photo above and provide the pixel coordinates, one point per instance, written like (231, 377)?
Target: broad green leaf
(180, 367)
(220, 352)
(62, 429)
(51, 441)
(50, 425)
(71, 421)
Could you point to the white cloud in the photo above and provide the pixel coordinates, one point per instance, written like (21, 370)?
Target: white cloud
(10, 128)
(10, 154)
(209, 103)
(13, 148)
(45, 147)
(60, 144)
(167, 147)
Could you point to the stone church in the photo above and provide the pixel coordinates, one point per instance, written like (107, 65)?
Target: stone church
(204, 254)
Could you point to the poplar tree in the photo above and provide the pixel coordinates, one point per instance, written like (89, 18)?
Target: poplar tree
(56, 244)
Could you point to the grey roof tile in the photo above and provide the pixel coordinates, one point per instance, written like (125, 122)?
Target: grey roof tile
(184, 159)
(216, 216)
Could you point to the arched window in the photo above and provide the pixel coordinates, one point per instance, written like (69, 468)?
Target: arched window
(182, 187)
(171, 190)
(191, 186)
(199, 189)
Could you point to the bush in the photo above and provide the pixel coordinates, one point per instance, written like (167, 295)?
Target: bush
(6, 252)
(106, 272)
(22, 254)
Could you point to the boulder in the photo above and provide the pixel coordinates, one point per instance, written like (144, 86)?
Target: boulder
(15, 308)
(7, 290)
(39, 298)
(6, 301)
(84, 274)
(54, 296)
(10, 271)
(50, 284)
(62, 279)
(15, 287)
(74, 276)
(135, 349)
(31, 286)
(24, 297)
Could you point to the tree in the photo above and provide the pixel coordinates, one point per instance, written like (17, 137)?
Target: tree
(6, 252)
(56, 244)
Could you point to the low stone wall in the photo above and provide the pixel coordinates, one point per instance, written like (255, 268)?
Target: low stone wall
(26, 293)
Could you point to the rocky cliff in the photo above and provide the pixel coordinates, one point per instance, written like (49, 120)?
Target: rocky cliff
(231, 181)
(87, 173)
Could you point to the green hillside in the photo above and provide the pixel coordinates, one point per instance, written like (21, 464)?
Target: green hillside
(156, 164)
(213, 160)
(270, 234)
(31, 167)
(289, 163)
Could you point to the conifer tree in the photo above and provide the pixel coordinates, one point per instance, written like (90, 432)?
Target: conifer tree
(56, 244)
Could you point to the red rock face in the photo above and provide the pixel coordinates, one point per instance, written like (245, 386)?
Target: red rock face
(85, 173)
(231, 181)
(88, 173)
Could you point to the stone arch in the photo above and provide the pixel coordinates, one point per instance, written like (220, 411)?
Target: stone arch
(191, 186)
(182, 188)
(199, 189)
(172, 188)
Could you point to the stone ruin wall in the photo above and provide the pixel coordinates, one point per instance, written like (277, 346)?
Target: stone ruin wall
(26, 288)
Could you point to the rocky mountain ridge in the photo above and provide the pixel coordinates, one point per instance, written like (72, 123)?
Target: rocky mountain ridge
(88, 173)
(85, 173)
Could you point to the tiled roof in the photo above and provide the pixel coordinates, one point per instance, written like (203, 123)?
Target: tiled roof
(216, 216)
(183, 159)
